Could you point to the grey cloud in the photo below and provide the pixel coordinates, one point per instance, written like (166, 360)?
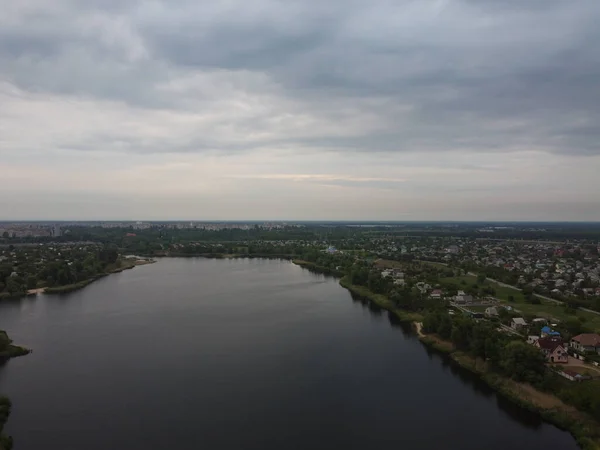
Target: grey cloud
(475, 75)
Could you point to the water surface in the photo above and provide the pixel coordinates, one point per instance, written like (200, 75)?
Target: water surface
(240, 354)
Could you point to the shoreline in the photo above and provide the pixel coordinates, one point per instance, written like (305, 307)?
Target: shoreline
(11, 351)
(360, 291)
(127, 265)
(549, 407)
(584, 429)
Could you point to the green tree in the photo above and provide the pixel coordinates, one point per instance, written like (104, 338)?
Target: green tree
(522, 361)
(445, 327)
(31, 282)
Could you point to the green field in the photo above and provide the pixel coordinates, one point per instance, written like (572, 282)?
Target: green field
(547, 310)
(502, 292)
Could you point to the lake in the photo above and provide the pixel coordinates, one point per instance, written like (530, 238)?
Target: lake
(240, 354)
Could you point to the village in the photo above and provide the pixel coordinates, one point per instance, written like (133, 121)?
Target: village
(572, 354)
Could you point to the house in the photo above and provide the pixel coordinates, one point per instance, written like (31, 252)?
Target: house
(518, 323)
(547, 331)
(553, 349)
(532, 339)
(436, 294)
(539, 320)
(492, 311)
(587, 342)
(463, 298)
(423, 287)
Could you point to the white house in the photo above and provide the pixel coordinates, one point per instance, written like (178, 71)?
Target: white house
(518, 323)
(492, 311)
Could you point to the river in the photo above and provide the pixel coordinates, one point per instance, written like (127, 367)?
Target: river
(240, 354)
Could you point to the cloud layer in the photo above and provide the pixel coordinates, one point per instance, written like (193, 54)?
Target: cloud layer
(455, 109)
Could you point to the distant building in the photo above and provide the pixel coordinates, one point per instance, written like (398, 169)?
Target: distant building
(56, 232)
(436, 294)
(547, 331)
(518, 323)
(492, 311)
(463, 298)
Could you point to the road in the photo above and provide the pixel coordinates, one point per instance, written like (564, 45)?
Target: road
(543, 297)
(510, 286)
(504, 327)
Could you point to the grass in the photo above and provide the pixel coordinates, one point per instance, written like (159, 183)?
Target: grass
(480, 309)
(582, 370)
(14, 351)
(548, 310)
(389, 264)
(432, 264)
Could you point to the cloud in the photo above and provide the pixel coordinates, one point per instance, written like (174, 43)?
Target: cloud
(399, 96)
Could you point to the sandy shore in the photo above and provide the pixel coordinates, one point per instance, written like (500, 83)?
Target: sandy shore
(36, 291)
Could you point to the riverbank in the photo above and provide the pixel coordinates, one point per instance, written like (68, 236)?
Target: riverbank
(221, 255)
(361, 291)
(126, 264)
(584, 428)
(317, 268)
(6, 442)
(380, 300)
(8, 351)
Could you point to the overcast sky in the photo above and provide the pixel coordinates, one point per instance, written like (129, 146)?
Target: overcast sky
(337, 109)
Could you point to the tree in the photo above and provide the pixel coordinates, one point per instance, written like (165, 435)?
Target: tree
(431, 322)
(5, 341)
(481, 278)
(461, 332)
(31, 282)
(522, 361)
(13, 286)
(445, 327)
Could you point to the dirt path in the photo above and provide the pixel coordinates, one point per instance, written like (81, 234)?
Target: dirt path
(541, 399)
(574, 362)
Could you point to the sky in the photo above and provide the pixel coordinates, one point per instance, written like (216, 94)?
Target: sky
(307, 110)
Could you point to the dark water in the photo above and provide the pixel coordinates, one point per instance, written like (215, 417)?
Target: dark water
(240, 354)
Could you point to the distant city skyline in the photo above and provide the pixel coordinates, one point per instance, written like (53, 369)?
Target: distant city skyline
(434, 110)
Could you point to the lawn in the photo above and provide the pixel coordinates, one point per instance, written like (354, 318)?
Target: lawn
(389, 264)
(433, 264)
(548, 310)
(502, 292)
